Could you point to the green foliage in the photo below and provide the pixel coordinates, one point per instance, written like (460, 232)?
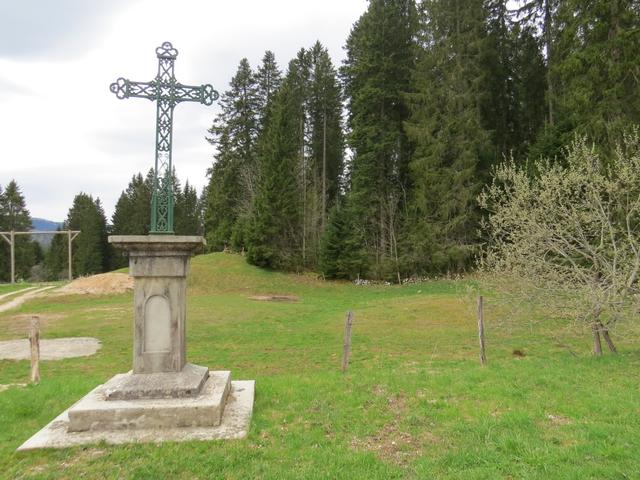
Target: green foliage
(381, 51)
(274, 238)
(90, 249)
(233, 177)
(595, 70)
(342, 255)
(15, 216)
(452, 149)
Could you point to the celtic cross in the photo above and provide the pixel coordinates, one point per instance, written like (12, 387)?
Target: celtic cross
(167, 92)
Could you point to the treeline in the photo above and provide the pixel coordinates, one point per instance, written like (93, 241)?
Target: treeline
(435, 94)
(373, 169)
(91, 252)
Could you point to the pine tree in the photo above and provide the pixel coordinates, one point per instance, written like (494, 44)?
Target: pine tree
(325, 145)
(187, 214)
(15, 216)
(381, 53)
(596, 68)
(453, 150)
(232, 184)
(342, 255)
(268, 80)
(90, 250)
(274, 239)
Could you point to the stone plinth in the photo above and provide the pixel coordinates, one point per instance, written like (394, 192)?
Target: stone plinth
(159, 265)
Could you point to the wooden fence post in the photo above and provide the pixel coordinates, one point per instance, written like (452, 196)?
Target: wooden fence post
(483, 357)
(34, 341)
(347, 341)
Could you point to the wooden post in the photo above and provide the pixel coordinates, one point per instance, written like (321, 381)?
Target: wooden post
(347, 341)
(13, 256)
(34, 341)
(483, 357)
(69, 253)
(597, 345)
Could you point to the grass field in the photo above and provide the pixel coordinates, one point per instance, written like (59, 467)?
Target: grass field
(415, 402)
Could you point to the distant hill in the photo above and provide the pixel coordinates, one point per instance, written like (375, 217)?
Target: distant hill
(44, 225)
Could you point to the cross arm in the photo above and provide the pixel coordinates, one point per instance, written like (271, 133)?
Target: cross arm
(124, 88)
(203, 94)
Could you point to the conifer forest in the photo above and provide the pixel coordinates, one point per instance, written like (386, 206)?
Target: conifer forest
(372, 168)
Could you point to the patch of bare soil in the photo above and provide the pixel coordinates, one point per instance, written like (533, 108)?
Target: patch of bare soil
(274, 298)
(558, 419)
(392, 443)
(102, 284)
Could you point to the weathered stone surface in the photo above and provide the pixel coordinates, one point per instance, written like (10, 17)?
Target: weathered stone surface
(132, 386)
(95, 412)
(235, 424)
(159, 265)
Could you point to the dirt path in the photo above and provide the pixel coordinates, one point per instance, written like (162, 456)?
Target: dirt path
(2, 297)
(16, 302)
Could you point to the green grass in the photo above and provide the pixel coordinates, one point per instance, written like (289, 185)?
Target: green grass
(414, 404)
(12, 287)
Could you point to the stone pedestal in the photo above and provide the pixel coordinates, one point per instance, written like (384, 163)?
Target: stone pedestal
(163, 397)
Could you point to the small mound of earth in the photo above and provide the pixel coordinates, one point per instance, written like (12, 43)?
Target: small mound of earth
(274, 298)
(102, 284)
(54, 349)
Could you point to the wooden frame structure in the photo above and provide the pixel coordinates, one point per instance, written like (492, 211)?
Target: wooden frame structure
(10, 237)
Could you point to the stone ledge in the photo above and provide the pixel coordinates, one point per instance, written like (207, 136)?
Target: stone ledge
(138, 386)
(95, 412)
(235, 424)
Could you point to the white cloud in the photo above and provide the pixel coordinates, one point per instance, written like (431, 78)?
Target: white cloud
(63, 131)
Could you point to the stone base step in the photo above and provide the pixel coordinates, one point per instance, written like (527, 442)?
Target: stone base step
(95, 412)
(236, 421)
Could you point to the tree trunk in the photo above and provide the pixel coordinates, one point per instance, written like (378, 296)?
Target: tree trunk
(597, 345)
(607, 338)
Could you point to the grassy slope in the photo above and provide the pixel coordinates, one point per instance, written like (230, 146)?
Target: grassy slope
(415, 403)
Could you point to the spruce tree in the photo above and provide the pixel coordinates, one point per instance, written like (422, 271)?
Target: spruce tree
(232, 184)
(596, 57)
(453, 150)
(187, 213)
(342, 255)
(15, 216)
(325, 145)
(268, 80)
(381, 53)
(90, 250)
(274, 238)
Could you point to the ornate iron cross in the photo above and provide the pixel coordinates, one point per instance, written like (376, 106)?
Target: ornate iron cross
(167, 92)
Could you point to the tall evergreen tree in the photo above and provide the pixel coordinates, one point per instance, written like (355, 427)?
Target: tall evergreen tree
(274, 240)
(596, 67)
(453, 150)
(381, 53)
(233, 176)
(325, 145)
(90, 250)
(268, 80)
(187, 212)
(15, 216)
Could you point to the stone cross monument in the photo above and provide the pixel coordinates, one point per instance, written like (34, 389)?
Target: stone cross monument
(163, 397)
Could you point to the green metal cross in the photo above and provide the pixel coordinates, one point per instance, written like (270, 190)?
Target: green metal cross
(167, 92)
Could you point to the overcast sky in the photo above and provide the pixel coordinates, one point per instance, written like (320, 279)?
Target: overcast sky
(62, 131)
